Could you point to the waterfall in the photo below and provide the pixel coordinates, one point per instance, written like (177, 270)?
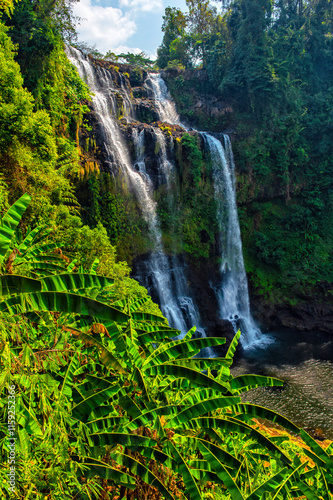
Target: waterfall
(166, 110)
(162, 274)
(165, 275)
(232, 292)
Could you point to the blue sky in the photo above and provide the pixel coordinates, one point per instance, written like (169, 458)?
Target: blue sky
(123, 25)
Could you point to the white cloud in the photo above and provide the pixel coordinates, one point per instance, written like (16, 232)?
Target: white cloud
(142, 5)
(106, 27)
(123, 49)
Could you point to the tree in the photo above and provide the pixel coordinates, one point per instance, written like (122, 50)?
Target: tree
(250, 75)
(201, 22)
(174, 43)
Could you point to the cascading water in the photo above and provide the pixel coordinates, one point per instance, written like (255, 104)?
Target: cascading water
(232, 292)
(167, 112)
(164, 274)
(165, 106)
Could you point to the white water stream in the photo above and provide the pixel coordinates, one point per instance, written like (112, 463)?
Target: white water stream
(164, 272)
(232, 291)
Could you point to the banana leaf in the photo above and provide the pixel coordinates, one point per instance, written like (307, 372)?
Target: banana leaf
(248, 382)
(194, 376)
(10, 221)
(11, 284)
(245, 411)
(140, 470)
(82, 410)
(192, 489)
(105, 471)
(67, 281)
(221, 472)
(202, 408)
(62, 302)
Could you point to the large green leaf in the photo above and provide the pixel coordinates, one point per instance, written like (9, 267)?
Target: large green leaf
(12, 284)
(197, 378)
(144, 316)
(40, 249)
(82, 410)
(191, 486)
(66, 389)
(156, 336)
(170, 350)
(107, 358)
(144, 327)
(274, 483)
(105, 424)
(10, 222)
(324, 459)
(202, 471)
(228, 424)
(222, 472)
(233, 344)
(223, 456)
(205, 364)
(307, 491)
(134, 306)
(105, 471)
(35, 236)
(132, 441)
(145, 417)
(68, 282)
(62, 302)
(47, 267)
(247, 410)
(202, 408)
(140, 470)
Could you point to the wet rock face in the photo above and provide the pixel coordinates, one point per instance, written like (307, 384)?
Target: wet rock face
(200, 280)
(145, 111)
(202, 102)
(310, 316)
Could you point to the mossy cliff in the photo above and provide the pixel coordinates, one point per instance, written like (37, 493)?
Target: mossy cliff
(285, 231)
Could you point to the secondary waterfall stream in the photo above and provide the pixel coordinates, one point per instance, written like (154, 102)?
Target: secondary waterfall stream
(232, 291)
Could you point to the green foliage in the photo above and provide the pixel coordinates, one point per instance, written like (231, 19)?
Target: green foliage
(194, 157)
(189, 219)
(108, 403)
(174, 48)
(140, 60)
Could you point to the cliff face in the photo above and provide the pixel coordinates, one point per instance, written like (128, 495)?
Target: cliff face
(187, 211)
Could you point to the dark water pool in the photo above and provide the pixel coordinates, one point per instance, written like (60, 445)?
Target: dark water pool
(305, 362)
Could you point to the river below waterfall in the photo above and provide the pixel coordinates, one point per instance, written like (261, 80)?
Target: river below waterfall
(304, 361)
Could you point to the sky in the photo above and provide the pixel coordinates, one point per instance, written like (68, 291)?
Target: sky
(123, 25)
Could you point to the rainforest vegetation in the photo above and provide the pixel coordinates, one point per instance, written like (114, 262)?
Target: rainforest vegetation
(269, 65)
(107, 404)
